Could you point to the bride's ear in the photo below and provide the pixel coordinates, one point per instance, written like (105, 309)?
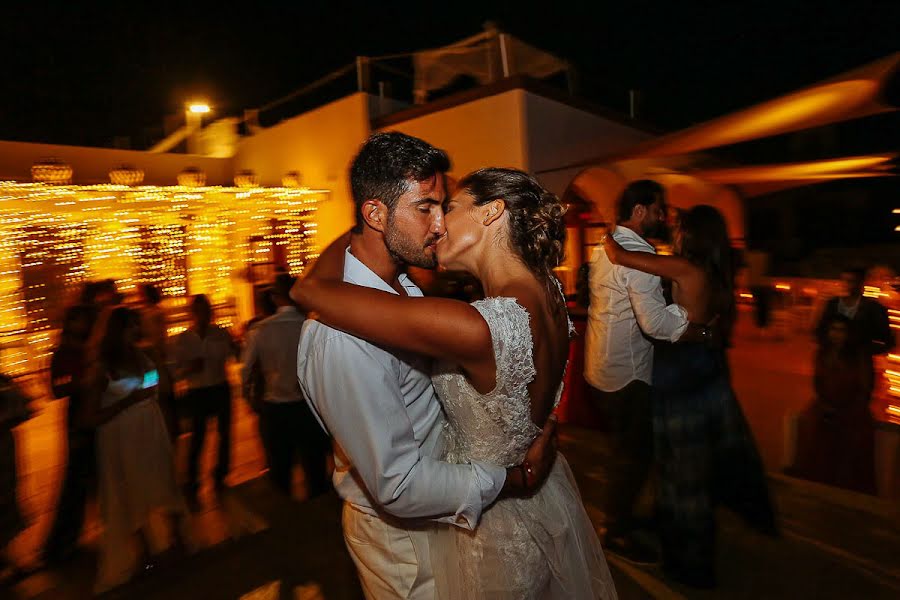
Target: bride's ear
(493, 210)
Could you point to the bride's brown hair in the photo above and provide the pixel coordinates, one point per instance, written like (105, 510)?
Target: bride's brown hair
(537, 228)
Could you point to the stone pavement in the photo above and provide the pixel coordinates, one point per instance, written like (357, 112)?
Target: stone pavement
(834, 545)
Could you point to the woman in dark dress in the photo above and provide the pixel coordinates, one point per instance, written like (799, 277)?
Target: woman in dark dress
(703, 446)
(836, 433)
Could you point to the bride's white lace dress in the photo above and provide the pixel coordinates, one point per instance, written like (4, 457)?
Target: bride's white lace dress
(538, 547)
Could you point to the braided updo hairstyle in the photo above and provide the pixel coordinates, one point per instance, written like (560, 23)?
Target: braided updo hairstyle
(537, 230)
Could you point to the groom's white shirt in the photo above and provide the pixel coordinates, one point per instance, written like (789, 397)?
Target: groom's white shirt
(383, 414)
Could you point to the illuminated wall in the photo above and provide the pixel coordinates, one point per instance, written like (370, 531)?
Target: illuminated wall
(320, 145)
(186, 240)
(92, 165)
(481, 133)
(559, 135)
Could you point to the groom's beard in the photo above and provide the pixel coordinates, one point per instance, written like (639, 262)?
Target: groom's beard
(406, 251)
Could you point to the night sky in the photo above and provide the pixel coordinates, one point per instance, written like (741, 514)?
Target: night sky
(85, 75)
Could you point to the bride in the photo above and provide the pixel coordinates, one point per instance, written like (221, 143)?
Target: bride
(499, 369)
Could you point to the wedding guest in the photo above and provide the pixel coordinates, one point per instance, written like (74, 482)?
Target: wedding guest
(287, 425)
(155, 338)
(200, 354)
(836, 438)
(135, 459)
(627, 309)
(867, 318)
(67, 369)
(13, 412)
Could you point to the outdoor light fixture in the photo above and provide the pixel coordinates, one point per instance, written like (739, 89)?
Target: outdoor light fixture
(199, 109)
(126, 175)
(52, 171)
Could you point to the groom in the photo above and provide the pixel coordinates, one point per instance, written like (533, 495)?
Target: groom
(379, 405)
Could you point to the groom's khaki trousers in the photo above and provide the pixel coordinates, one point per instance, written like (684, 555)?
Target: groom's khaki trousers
(392, 562)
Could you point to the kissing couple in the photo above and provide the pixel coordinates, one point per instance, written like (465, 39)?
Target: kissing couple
(440, 410)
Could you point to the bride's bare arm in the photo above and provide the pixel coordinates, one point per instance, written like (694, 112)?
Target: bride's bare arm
(330, 264)
(675, 268)
(436, 327)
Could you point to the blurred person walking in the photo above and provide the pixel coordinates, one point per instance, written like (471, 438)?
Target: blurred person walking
(14, 411)
(200, 355)
(67, 371)
(287, 425)
(627, 310)
(837, 436)
(154, 333)
(867, 318)
(135, 459)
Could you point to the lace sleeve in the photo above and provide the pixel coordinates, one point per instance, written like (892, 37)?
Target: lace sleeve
(510, 329)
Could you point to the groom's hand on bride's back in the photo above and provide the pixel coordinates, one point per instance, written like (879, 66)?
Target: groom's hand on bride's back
(525, 479)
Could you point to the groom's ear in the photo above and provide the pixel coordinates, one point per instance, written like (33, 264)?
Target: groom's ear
(374, 213)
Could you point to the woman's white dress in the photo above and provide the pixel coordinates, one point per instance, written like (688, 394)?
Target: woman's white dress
(539, 547)
(136, 471)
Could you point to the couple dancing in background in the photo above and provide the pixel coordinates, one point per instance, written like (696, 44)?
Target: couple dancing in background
(463, 497)
(670, 402)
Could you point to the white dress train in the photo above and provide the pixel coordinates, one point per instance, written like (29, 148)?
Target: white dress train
(542, 547)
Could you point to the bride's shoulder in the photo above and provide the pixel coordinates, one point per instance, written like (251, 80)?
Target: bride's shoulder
(505, 309)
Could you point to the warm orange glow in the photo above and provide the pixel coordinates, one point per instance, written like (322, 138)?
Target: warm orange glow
(747, 296)
(783, 286)
(199, 108)
(852, 95)
(875, 165)
(183, 239)
(812, 107)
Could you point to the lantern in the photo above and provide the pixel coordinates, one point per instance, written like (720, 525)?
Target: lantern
(52, 171)
(126, 175)
(192, 177)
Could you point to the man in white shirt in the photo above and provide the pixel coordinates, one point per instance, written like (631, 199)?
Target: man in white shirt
(628, 309)
(287, 426)
(379, 405)
(200, 354)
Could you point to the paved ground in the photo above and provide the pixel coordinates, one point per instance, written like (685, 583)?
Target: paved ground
(255, 544)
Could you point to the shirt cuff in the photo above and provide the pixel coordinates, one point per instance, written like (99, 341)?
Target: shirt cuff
(487, 483)
(681, 314)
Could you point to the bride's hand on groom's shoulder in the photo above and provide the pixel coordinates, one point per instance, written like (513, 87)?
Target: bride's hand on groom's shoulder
(610, 245)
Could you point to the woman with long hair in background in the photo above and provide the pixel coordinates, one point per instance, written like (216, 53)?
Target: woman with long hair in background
(703, 446)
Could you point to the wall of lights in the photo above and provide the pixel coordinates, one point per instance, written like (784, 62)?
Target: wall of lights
(186, 240)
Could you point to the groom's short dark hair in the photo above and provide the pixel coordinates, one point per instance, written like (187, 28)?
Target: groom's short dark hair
(384, 164)
(643, 192)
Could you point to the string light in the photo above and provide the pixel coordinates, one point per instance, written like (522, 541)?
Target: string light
(184, 239)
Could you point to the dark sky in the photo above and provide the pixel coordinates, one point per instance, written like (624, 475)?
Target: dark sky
(79, 74)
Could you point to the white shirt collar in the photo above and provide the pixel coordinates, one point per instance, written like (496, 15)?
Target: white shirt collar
(355, 271)
(628, 233)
